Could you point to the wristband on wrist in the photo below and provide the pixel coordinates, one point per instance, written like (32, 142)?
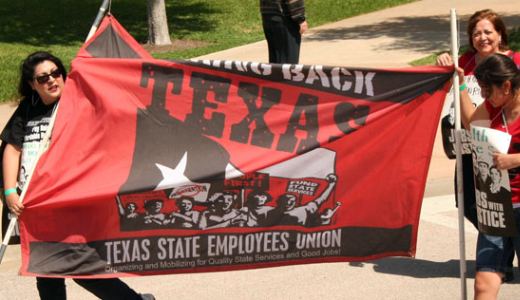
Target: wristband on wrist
(462, 87)
(10, 191)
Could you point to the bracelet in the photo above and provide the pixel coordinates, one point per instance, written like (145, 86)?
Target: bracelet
(462, 87)
(10, 191)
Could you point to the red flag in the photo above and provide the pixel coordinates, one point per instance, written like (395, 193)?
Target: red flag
(168, 167)
(112, 40)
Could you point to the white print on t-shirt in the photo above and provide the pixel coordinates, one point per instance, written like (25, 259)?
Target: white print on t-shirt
(36, 131)
(449, 110)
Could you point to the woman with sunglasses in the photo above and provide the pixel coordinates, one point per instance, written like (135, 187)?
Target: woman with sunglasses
(41, 85)
(499, 80)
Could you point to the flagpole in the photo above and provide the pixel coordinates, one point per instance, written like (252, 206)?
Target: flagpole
(101, 13)
(458, 142)
(45, 142)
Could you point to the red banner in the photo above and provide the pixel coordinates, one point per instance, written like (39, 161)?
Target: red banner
(192, 166)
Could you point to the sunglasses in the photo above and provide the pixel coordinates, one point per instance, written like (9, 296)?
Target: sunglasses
(45, 78)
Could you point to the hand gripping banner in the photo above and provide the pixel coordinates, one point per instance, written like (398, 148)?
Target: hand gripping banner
(191, 166)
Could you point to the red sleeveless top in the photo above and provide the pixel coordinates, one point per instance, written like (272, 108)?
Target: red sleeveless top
(514, 130)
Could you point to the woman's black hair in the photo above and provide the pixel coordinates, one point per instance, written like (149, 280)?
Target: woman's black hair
(497, 69)
(27, 70)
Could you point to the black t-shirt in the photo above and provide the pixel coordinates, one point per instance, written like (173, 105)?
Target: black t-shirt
(26, 130)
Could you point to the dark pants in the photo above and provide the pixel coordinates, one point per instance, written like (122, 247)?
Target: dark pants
(111, 288)
(283, 39)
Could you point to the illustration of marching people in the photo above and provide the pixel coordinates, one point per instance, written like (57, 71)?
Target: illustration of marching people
(224, 210)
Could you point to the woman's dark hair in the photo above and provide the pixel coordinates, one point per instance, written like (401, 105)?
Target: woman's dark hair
(497, 69)
(27, 70)
(491, 16)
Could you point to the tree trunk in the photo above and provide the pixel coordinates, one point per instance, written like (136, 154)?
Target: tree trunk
(158, 33)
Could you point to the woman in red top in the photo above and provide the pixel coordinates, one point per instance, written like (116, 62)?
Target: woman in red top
(487, 35)
(499, 80)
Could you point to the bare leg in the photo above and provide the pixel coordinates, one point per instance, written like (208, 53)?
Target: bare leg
(487, 285)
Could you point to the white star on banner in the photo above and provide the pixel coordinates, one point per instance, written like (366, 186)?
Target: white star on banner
(173, 177)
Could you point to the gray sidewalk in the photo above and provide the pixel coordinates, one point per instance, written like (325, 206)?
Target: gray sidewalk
(388, 38)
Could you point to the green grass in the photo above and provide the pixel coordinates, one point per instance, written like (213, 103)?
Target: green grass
(514, 39)
(514, 44)
(60, 26)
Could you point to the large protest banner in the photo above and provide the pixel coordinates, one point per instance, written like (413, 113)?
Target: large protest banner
(192, 166)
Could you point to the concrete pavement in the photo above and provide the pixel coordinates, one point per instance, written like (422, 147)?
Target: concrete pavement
(387, 38)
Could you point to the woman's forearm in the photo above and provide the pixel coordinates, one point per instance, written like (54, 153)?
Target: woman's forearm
(11, 166)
